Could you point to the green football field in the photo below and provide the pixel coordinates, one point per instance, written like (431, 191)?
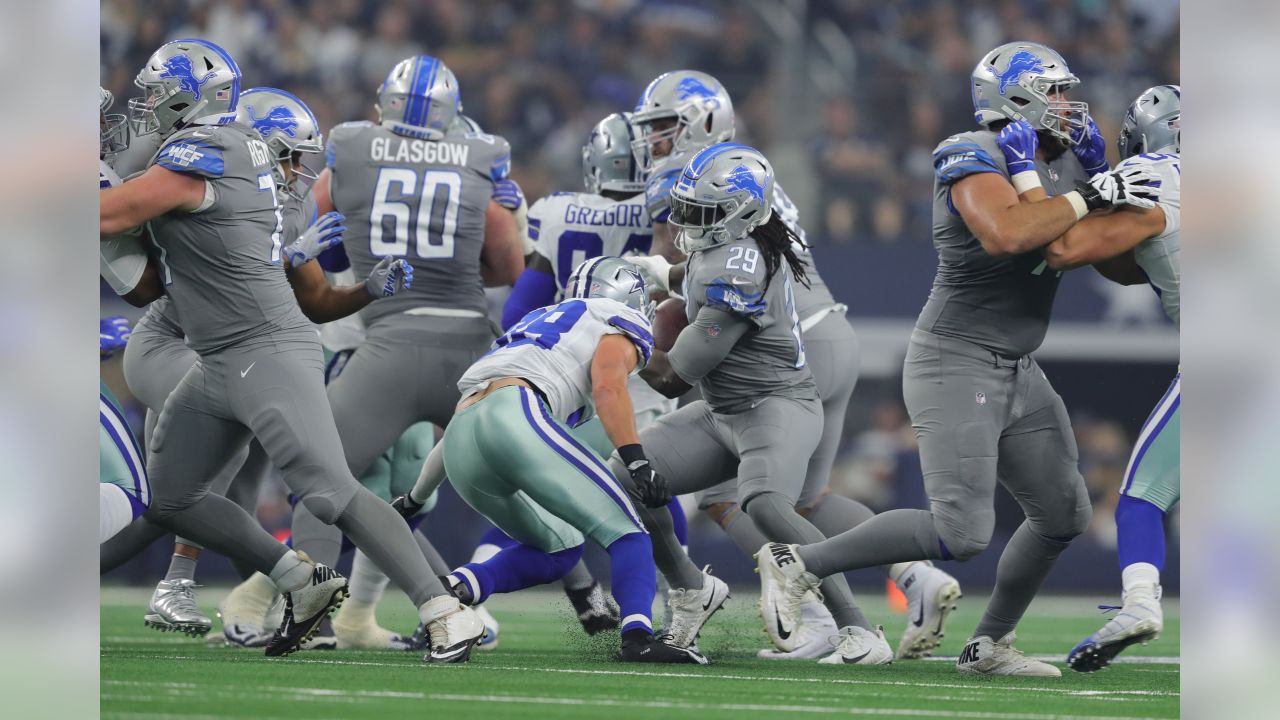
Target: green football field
(545, 667)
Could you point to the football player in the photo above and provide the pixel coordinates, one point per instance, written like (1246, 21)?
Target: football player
(982, 408)
(210, 198)
(1140, 245)
(680, 113)
(123, 491)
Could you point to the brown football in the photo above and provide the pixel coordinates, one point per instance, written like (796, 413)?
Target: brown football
(668, 321)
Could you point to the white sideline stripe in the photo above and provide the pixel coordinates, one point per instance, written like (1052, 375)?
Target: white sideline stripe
(471, 667)
(338, 695)
(1121, 659)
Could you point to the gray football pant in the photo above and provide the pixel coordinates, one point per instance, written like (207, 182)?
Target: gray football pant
(767, 448)
(271, 388)
(979, 419)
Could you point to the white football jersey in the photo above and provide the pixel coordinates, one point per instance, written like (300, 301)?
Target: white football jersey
(552, 347)
(121, 258)
(1160, 256)
(568, 228)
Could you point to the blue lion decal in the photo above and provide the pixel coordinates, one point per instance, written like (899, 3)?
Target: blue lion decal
(179, 67)
(1020, 63)
(693, 86)
(277, 118)
(743, 179)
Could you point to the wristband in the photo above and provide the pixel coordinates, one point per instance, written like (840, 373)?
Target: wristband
(1077, 203)
(1026, 180)
(631, 454)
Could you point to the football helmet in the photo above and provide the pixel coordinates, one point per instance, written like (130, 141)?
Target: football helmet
(698, 104)
(607, 160)
(419, 98)
(610, 277)
(1153, 123)
(186, 82)
(288, 127)
(1014, 82)
(113, 128)
(723, 193)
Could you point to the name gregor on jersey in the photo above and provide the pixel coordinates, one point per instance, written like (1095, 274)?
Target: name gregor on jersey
(417, 151)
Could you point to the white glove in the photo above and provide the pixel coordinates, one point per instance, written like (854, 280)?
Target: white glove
(388, 277)
(1133, 185)
(323, 234)
(655, 269)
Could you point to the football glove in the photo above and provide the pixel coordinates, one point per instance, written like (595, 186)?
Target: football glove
(389, 277)
(1131, 185)
(508, 194)
(1018, 142)
(113, 335)
(650, 489)
(655, 270)
(1091, 148)
(406, 507)
(323, 234)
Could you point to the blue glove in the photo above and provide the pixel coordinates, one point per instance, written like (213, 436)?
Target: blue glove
(113, 335)
(323, 234)
(508, 194)
(1091, 148)
(1018, 142)
(389, 277)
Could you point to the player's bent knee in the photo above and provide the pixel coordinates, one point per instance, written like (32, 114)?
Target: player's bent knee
(963, 542)
(721, 512)
(328, 505)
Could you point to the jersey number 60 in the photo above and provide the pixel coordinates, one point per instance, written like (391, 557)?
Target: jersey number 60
(432, 213)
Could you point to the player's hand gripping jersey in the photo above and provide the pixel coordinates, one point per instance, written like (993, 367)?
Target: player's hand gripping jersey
(1160, 256)
(421, 200)
(552, 347)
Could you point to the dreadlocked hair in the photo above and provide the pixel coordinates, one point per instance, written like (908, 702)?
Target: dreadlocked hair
(776, 239)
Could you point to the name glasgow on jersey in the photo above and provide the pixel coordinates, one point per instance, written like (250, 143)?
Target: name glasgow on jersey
(623, 215)
(417, 151)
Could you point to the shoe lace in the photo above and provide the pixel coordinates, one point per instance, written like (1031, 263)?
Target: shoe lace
(1108, 608)
(184, 592)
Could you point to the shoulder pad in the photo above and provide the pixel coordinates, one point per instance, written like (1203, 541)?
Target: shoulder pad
(196, 151)
(737, 294)
(966, 154)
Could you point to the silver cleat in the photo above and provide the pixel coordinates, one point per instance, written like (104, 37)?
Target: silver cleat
(173, 608)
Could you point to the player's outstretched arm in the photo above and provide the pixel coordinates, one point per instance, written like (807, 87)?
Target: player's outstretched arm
(502, 259)
(148, 196)
(322, 302)
(1101, 236)
(536, 288)
(1004, 225)
(1122, 269)
(614, 359)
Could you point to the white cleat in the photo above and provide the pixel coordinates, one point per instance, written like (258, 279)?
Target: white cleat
(491, 628)
(690, 609)
(1140, 620)
(931, 596)
(453, 629)
(859, 646)
(783, 586)
(305, 608)
(984, 656)
(246, 613)
(355, 627)
(173, 608)
(816, 626)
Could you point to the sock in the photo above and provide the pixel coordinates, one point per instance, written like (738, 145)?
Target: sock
(377, 529)
(1024, 564)
(290, 573)
(777, 518)
(578, 578)
(634, 584)
(1139, 533)
(679, 523)
(367, 582)
(181, 567)
(321, 542)
(1140, 576)
(743, 531)
(437, 563)
(491, 542)
(889, 537)
(516, 568)
(224, 527)
(115, 514)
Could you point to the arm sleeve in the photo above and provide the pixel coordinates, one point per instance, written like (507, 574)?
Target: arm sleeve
(500, 168)
(706, 341)
(534, 289)
(334, 259)
(961, 156)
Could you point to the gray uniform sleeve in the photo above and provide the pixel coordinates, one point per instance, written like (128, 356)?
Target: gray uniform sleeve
(705, 342)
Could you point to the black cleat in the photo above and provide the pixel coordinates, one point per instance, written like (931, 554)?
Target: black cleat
(305, 608)
(654, 650)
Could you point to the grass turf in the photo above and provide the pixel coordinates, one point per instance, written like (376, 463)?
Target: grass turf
(546, 667)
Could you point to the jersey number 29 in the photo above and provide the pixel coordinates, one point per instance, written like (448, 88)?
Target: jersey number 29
(427, 204)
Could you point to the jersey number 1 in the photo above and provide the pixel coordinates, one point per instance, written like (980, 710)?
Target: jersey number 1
(432, 213)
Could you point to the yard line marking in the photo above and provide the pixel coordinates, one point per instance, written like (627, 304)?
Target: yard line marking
(1123, 659)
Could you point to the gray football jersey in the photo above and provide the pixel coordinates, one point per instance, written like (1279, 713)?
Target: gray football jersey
(1000, 303)
(420, 200)
(221, 265)
(769, 359)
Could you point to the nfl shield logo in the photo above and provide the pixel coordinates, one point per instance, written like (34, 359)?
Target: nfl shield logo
(713, 331)
(981, 398)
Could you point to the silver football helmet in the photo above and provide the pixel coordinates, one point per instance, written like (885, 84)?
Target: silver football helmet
(697, 103)
(611, 277)
(186, 82)
(607, 160)
(1153, 123)
(723, 193)
(288, 127)
(113, 128)
(419, 98)
(1014, 82)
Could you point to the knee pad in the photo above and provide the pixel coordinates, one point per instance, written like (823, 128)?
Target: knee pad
(329, 504)
(965, 540)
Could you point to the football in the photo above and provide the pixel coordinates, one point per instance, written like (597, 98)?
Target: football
(668, 321)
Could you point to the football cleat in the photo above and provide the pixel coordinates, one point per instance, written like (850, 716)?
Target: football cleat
(859, 646)
(596, 611)
(983, 656)
(817, 627)
(323, 639)
(246, 613)
(453, 629)
(783, 586)
(1140, 620)
(305, 608)
(654, 650)
(490, 639)
(173, 608)
(931, 596)
(690, 609)
(355, 627)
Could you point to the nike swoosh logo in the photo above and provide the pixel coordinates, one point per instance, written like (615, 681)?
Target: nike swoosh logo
(1021, 156)
(858, 659)
(446, 655)
(919, 621)
(707, 606)
(782, 632)
(738, 281)
(246, 372)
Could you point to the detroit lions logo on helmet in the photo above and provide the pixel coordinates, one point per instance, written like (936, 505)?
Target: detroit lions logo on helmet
(691, 86)
(1020, 63)
(179, 67)
(743, 179)
(277, 118)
